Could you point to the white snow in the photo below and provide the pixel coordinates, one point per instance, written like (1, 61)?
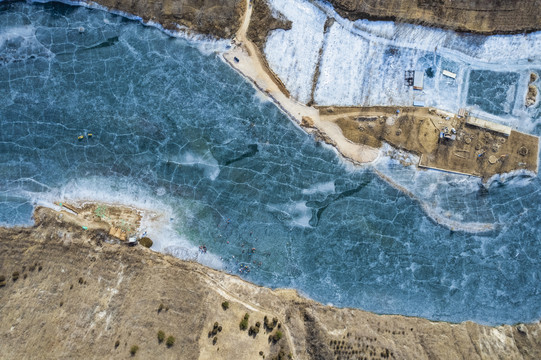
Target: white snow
(293, 54)
(345, 60)
(363, 62)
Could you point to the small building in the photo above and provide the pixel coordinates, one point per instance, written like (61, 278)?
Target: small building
(418, 79)
(418, 103)
(449, 74)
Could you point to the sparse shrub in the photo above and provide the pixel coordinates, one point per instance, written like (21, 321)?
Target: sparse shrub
(244, 323)
(32, 267)
(81, 280)
(170, 341)
(160, 308)
(270, 325)
(61, 303)
(71, 286)
(25, 276)
(161, 336)
(117, 343)
(40, 268)
(258, 324)
(254, 330)
(277, 336)
(215, 329)
(215, 340)
(281, 355)
(225, 305)
(15, 276)
(146, 242)
(2, 280)
(134, 349)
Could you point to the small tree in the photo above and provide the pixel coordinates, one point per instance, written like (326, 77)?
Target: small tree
(146, 242)
(270, 325)
(134, 349)
(161, 336)
(254, 330)
(170, 341)
(215, 329)
(225, 305)
(244, 323)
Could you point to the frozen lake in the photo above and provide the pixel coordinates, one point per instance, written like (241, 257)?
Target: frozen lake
(177, 131)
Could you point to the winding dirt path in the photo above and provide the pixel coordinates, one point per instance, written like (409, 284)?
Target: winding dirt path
(246, 58)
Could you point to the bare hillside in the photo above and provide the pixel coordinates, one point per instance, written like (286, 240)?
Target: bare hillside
(478, 16)
(74, 293)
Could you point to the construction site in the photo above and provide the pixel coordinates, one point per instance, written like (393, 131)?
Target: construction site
(457, 143)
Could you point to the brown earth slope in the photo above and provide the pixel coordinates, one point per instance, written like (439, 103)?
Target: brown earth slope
(219, 18)
(262, 22)
(74, 293)
(479, 16)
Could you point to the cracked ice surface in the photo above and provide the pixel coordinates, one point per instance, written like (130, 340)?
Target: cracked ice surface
(178, 132)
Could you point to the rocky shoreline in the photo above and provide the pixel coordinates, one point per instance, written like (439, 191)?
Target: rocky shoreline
(76, 293)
